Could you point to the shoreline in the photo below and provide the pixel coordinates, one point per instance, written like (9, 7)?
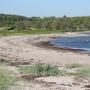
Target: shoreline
(35, 49)
(46, 45)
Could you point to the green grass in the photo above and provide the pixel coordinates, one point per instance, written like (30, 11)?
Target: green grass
(83, 72)
(23, 32)
(37, 31)
(3, 61)
(6, 79)
(42, 70)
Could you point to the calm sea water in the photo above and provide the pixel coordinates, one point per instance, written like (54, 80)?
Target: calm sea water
(82, 43)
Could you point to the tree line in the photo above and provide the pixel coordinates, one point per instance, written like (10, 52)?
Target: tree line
(45, 23)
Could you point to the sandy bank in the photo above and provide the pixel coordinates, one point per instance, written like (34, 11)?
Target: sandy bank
(24, 49)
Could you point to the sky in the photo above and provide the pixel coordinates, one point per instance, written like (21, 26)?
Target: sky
(44, 8)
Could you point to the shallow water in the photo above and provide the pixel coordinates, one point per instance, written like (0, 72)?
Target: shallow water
(82, 43)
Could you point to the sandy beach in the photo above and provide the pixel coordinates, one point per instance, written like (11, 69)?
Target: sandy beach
(26, 48)
(32, 49)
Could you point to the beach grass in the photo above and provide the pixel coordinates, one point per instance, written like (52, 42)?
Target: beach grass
(83, 72)
(24, 32)
(3, 61)
(6, 79)
(42, 70)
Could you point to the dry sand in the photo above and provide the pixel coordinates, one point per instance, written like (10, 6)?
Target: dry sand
(25, 50)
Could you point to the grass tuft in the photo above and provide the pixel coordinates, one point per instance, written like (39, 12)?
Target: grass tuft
(42, 70)
(84, 72)
(3, 61)
(6, 79)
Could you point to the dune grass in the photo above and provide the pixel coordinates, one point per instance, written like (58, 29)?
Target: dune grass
(6, 79)
(23, 32)
(42, 70)
(83, 72)
(3, 61)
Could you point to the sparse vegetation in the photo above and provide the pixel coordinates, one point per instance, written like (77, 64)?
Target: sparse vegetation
(17, 32)
(6, 79)
(42, 70)
(74, 65)
(47, 70)
(3, 61)
(83, 72)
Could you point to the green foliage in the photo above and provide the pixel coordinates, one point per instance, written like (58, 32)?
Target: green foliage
(3, 61)
(6, 79)
(17, 32)
(70, 24)
(85, 72)
(42, 70)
